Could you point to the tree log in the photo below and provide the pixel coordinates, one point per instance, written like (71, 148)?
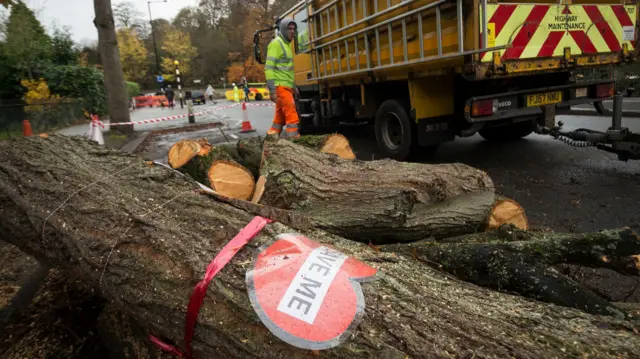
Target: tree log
(143, 235)
(250, 149)
(386, 201)
(195, 157)
(524, 266)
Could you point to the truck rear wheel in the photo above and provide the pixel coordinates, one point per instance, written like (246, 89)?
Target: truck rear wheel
(512, 132)
(394, 130)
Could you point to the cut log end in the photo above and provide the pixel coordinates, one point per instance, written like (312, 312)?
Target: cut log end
(338, 145)
(231, 180)
(257, 194)
(507, 211)
(205, 147)
(182, 152)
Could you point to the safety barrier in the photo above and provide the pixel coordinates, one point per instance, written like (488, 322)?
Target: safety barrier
(162, 119)
(150, 101)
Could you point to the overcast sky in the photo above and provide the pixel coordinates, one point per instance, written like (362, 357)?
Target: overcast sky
(78, 14)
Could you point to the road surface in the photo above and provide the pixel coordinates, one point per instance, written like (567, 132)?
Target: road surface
(629, 104)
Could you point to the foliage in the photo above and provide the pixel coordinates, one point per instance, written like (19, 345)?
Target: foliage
(133, 89)
(27, 46)
(79, 82)
(63, 52)
(254, 72)
(6, 3)
(127, 15)
(37, 95)
(177, 46)
(89, 55)
(134, 56)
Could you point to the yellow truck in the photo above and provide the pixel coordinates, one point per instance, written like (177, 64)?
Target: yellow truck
(426, 71)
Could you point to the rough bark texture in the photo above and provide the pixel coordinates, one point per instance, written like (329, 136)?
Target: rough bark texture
(250, 149)
(386, 201)
(524, 266)
(118, 102)
(124, 338)
(76, 204)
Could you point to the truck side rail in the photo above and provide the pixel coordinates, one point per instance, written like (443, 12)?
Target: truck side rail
(318, 50)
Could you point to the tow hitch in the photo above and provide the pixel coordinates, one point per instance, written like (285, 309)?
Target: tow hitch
(616, 139)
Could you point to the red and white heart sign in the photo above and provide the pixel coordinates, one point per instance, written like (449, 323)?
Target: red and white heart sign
(307, 294)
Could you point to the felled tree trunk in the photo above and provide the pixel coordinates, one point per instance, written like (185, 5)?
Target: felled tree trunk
(143, 235)
(250, 149)
(387, 201)
(522, 262)
(378, 201)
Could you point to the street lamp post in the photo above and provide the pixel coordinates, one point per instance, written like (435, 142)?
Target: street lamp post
(153, 36)
(177, 63)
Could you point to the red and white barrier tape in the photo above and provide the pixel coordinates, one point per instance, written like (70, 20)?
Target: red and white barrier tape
(270, 104)
(97, 122)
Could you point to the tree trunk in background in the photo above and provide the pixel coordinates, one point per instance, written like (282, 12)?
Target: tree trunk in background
(117, 96)
(147, 243)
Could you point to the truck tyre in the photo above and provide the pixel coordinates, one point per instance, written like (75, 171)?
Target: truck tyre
(508, 133)
(394, 130)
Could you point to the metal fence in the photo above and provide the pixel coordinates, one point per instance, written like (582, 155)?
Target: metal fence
(43, 117)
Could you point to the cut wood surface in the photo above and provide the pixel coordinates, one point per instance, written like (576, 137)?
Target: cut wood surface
(257, 195)
(335, 144)
(195, 158)
(231, 179)
(182, 152)
(507, 211)
(75, 205)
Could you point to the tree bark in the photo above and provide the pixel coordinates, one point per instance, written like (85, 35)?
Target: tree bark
(250, 149)
(117, 95)
(386, 201)
(143, 235)
(524, 266)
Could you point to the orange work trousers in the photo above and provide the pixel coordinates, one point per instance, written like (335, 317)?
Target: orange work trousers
(286, 113)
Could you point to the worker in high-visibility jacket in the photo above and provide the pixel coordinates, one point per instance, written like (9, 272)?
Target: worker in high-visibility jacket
(280, 80)
(236, 97)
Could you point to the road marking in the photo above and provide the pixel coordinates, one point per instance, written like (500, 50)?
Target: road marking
(233, 136)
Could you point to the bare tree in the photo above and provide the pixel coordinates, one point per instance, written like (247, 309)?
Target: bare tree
(126, 14)
(118, 104)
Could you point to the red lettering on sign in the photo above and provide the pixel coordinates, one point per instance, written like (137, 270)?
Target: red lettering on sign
(306, 293)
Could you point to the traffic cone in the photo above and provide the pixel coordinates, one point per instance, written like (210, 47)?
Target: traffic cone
(246, 124)
(26, 128)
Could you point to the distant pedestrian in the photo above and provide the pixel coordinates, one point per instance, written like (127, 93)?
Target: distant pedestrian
(246, 92)
(209, 92)
(170, 95)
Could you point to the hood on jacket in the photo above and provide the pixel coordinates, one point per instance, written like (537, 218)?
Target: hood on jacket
(284, 24)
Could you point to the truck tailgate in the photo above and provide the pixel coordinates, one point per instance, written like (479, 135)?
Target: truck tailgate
(546, 30)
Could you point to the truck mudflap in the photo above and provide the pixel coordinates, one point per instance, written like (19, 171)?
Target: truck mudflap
(529, 103)
(548, 30)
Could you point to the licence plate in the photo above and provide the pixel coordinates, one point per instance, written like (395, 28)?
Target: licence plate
(581, 92)
(542, 99)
